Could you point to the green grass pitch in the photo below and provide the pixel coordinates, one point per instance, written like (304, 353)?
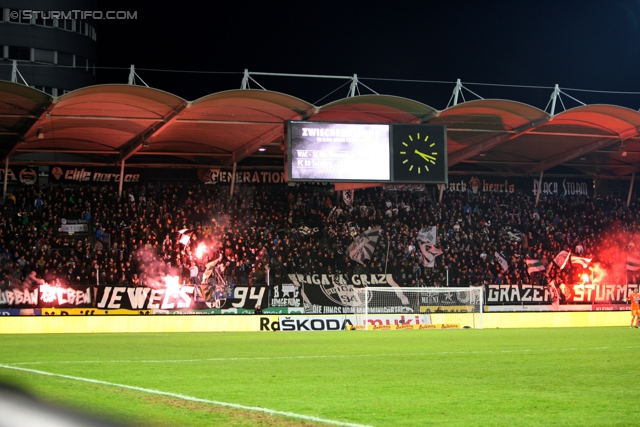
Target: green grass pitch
(497, 377)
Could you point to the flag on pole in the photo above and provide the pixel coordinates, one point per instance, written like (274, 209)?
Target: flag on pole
(583, 262)
(347, 197)
(363, 246)
(427, 243)
(534, 266)
(428, 253)
(502, 261)
(185, 236)
(428, 235)
(561, 259)
(633, 263)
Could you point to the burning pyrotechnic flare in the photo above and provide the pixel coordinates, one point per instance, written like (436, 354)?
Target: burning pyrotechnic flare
(201, 250)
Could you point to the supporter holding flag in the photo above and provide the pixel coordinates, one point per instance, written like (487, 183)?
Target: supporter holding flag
(502, 261)
(363, 246)
(561, 259)
(534, 266)
(579, 261)
(184, 236)
(633, 263)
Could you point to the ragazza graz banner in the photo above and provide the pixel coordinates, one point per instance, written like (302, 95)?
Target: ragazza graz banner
(337, 294)
(188, 297)
(45, 295)
(569, 294)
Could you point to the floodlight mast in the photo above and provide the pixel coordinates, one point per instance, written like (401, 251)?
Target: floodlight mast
(554, 97)
(15, 73)
(456, 91)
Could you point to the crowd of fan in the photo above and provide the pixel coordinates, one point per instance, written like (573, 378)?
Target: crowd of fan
(266, 232)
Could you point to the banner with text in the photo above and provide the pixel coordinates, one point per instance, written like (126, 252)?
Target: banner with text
(187, 297)
(67, 174)
(506, 294)
(337, 294)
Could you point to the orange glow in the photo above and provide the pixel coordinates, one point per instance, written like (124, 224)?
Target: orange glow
(585, 278)
(172, 283)
(599, 273)
(201, 250)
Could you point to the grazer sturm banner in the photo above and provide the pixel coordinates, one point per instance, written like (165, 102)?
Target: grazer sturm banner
(569, 294)
(216, 175)
(597, 293)
(179, 298)
(24, 297)
(338, 294)
(66, 296)
(509, 294)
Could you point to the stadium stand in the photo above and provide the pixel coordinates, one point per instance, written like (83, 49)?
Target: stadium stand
(268, 231)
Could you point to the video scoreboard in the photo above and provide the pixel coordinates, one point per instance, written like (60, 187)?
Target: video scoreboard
(351, 152)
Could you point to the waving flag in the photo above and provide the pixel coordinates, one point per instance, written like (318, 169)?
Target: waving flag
(363, 246)
(428, 235)
(583, 262)
(185, 236)
(561, 259)
(347, 197)
(428, 254)
(534, 266)
(502, 261)
(633, 263)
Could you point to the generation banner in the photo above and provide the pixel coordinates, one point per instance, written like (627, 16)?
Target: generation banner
(217, 175)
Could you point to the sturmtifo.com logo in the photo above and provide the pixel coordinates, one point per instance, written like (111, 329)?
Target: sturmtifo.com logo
(27, 15)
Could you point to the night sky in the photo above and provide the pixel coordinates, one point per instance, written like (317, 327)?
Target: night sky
(578, 44)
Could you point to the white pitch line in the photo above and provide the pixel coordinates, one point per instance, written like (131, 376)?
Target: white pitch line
(231, 359)
(191, 398)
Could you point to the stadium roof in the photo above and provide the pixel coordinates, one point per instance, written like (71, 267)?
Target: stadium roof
(107, 124)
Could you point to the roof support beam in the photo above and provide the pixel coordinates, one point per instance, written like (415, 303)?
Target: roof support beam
(572, 154)
(629, 170)
(481, 147)
(225, 122)
(65, 151)
(134, 145)
(34, 123)
(6, 178)
(252, 146)
(130, 119)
